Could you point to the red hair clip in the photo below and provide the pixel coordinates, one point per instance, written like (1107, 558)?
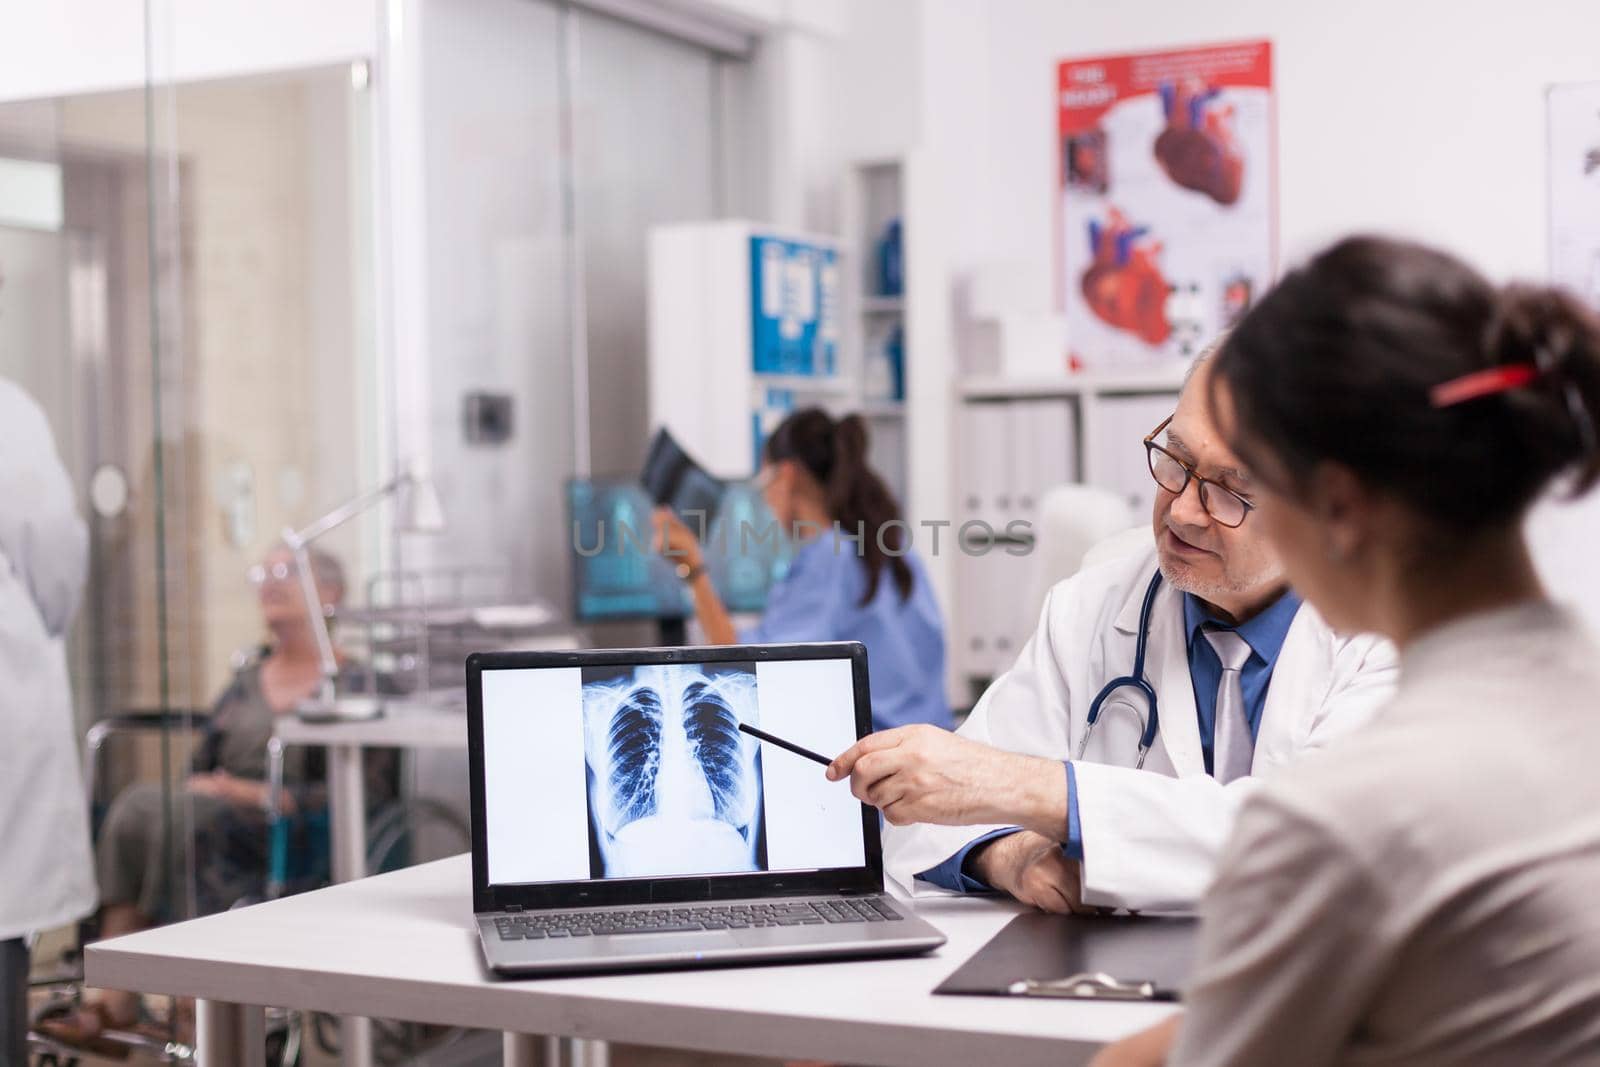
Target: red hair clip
(1482, 383)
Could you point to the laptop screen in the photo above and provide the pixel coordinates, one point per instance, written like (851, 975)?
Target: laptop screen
(639, 770)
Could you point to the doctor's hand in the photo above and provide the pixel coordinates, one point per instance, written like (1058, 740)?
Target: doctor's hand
(675, 540)
(925, 774)
(1033, 869)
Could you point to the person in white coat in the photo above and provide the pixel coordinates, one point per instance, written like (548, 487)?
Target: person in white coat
(46, 874)
(1422, 893)
(1245, 679)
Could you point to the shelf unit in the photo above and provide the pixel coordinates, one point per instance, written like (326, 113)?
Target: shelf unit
(874, 410)
(715, 299)
(914, 445)
(1109, 411)
(1101, 402)
(840, 386)
(1165, 378)
(702, 384)
(874, 194)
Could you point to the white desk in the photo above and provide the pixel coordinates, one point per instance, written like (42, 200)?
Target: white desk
(402, 945)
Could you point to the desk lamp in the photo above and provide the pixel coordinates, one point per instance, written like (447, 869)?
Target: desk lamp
(418, 512)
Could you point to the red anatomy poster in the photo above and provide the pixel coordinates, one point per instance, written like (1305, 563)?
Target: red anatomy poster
(1167, 203)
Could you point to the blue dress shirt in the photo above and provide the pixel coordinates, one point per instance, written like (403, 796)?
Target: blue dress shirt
(819, 599)
(1264, 633)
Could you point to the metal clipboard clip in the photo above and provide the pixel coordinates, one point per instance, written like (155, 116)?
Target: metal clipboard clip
(1087, 986)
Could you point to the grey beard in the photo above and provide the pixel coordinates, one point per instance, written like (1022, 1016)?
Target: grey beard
(1183, 579)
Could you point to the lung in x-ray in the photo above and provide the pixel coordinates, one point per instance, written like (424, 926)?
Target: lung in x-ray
(674, 786)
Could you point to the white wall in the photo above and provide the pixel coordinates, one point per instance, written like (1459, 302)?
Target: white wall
(66, 47)
(878, 80)
(1423, 118)
(493, 262)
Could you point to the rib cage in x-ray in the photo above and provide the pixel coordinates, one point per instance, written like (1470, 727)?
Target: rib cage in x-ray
(634, 746)
(666, 758)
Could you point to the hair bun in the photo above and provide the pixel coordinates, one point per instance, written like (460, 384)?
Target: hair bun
(1342, 361)
(1538, 325)
(1552, 330)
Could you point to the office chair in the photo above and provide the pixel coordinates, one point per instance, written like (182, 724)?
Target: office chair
(1073, 521)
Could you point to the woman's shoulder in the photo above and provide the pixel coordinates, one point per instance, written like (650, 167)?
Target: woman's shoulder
(825, 555)
(247, 664)
(244, 685)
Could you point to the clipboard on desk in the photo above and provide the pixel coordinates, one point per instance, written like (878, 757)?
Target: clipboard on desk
(1081, 957)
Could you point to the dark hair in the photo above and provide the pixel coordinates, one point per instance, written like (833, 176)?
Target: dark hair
(835, 454)
(1338, 361)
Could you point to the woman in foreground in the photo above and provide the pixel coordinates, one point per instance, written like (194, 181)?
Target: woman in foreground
(1424, 891)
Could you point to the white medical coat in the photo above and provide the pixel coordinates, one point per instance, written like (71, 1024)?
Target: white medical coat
(1150, 837)
(46, 875)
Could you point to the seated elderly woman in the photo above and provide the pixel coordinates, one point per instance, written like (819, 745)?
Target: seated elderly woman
(226, 793)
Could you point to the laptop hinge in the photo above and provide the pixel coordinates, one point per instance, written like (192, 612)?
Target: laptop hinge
(511, 907)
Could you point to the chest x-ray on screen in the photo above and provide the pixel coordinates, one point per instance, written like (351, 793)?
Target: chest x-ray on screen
(674, 786)
(640, 770)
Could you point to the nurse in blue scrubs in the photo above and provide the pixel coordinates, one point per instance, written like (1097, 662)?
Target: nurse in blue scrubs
(839, 587)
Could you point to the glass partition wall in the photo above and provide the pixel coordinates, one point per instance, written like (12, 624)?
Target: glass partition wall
(187, 293)
(245, 298)
(554, 138)
(188, 305)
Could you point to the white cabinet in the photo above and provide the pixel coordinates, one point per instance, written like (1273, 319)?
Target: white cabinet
(1120, 422)
(745, 325)
(1016, 439)
(1009, 454)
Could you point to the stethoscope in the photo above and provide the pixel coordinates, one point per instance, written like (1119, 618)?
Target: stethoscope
(1149, 722)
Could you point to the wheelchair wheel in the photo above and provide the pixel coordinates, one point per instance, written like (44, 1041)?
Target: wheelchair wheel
(394, 840)
(285, 1037)
(397, 834)
(393, 1041)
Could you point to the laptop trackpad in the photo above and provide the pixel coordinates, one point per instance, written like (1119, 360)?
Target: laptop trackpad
(702, 938)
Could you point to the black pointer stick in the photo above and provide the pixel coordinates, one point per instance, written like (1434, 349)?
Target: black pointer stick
(790, 745)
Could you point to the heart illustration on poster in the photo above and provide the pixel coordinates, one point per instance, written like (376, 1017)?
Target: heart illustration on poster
(1124, 284)
(1165, 164)
(1198, 149)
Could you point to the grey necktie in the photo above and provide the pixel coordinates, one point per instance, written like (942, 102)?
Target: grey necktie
(1232, 746)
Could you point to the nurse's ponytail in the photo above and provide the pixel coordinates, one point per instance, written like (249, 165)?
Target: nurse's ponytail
(834, 453)
(1407, 367)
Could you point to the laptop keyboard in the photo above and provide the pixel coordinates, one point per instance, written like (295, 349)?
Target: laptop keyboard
(539, 927)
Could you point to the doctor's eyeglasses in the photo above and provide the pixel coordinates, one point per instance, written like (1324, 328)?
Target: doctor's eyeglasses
(1173, 474)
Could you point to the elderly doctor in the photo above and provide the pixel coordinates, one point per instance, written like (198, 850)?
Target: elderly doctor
(46, 879)
(1237, 679)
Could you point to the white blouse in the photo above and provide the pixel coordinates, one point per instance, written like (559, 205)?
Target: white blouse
(1427, 889)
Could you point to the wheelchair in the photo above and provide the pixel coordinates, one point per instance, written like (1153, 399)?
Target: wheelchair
(299, 859)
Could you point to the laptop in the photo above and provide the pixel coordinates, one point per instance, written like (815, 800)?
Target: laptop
(621, 820)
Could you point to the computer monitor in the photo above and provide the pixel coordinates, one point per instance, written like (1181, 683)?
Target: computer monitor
(745, 550)
(617, 575)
